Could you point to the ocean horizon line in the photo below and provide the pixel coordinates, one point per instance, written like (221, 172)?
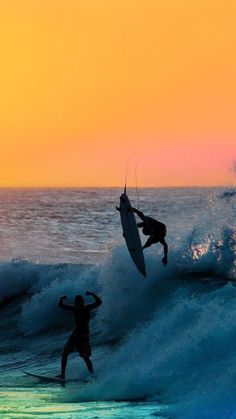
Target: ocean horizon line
(116, 187)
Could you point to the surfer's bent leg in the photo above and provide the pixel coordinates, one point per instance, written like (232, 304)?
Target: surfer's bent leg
(151, 240)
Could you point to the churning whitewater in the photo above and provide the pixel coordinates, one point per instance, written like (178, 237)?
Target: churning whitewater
(167, 340)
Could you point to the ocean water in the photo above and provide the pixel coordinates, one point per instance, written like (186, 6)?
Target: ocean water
(163, 347)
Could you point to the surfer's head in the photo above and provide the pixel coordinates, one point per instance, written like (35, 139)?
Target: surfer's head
(78, 300)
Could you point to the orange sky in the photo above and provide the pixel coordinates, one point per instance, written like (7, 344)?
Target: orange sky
(87, 84)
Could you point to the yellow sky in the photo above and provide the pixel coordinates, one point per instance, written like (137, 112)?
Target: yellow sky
(87, 84)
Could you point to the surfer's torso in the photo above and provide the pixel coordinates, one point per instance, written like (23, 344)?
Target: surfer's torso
(82, 316)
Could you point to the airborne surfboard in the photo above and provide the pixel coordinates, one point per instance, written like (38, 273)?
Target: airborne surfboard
(131, 233)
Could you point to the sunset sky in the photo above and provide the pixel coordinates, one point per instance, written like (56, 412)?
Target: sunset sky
(86, 85)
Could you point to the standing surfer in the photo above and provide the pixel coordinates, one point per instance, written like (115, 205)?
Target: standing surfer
(79, 339)
(155, 229)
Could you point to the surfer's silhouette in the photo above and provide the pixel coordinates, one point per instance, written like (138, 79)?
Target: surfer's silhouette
(155, 229)
(79, 339)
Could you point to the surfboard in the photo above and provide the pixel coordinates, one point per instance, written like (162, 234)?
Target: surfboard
(131, 233)
(50, 379)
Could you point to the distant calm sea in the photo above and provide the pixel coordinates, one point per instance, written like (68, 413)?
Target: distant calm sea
(163, 347)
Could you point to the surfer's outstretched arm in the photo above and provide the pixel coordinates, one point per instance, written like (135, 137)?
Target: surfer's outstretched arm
(97, 302)
(139, 213)
(164, 244)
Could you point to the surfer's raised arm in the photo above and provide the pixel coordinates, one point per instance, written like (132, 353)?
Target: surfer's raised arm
(64, 306)
(97, 302)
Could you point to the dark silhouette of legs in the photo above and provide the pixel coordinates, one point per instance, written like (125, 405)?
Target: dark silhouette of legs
(64, 358)
(83, 347)
(64, 363)
(88, 364)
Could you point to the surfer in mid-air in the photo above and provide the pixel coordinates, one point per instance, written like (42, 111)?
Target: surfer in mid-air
(79, 339)
(155, 230)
